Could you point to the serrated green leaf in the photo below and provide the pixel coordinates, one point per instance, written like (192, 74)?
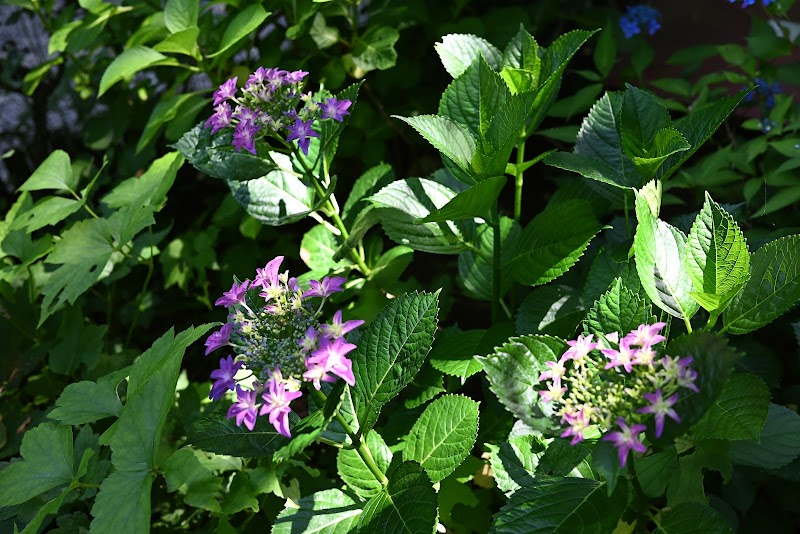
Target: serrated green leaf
(618, 310)
(369, 183)
(391, 351)
(243, 24)
(660, 263)
(641, 120)
(514, 463)
(455, 354)
(153, 184)
(522, 52)
(604, 270)
(181, 14)
(655, 471)
(330, 511)
(739, 412)
(408, 505)
(443, 435)
(317, 249)
(561, 505)
(475, 266)
(405, 201)
(475, 98)
(669, 141)
(513, 371)
(123, 503)
(426, 385)
(772, 289)
(185, 471)
(551, 309)
(693, 518)
(560, 459)
(129, 62)
(86, 402)
(354, 471)
(54, 173)
(215, 433)
(449, 137)
(476, 201)
(778, 442)
(47, 462)
(717, 258)
(553, 242)
(458, 51)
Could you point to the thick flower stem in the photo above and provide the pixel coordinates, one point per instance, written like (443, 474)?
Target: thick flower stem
(361, 447)
(518, 178)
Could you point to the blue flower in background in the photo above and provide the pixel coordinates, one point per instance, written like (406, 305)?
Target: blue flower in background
(638, 18)
(766, 92)
(748, 3)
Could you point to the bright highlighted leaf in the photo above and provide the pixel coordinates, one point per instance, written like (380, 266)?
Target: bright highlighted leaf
(391, 351)
(553, 242)
(47, 462)
(514, 463)
(354, 471)
(408, 504)
(455, 354)
(777, 444)
(330, 511)
(180, 15)
(130, 62)
(458, 51)
(717, 259)
(660, 263)
(551, 309)
(642, 118)
(773, 287)
(618, 310)
(443, 436)
(739, 412)
(562, 505)
(693, 518)
(474, 202)
(522, 52)
(513, 371)
(245, 22)
(215, 433)
(54, 173)
(447, 136)
(183, 42)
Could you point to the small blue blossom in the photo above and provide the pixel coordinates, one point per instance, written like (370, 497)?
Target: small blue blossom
(638, 18)
(748, 3)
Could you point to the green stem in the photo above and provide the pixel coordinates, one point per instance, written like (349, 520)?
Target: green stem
(139, 297)
(518, 178)
(688, 324)
(712, 320)
(496, 264)
(87, 208)
(361, 448)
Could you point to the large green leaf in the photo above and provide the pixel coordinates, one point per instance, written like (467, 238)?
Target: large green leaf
(459, 51)
(475, 266)
(243, 24)
(129, 62)
(407, 505)
(773, 287)
(391, 351)
(550, 309)
(660, 262)
(317, 249)
(693, 518)
(669, 141)
(641, 119)
(739, 412)
(54, 173)
(553, 242)
(373, 50)
(476, 201)
(187, 470)
(47, 462)
(215, 433)
(86, 402)
(46, 212)
(354, 471)
(406, 201)
(330, 511)
(454, 354)
(618, 310)
(514, 463)
(561, 505)
(443, 435)
(522, 52)
(513, 371)
(717, 260)
(123, 503)
(449, 137)
(777, 444)
(181, 14)
(655, 471)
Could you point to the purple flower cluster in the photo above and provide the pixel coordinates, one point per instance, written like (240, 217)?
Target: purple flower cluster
(281, 342)
(639, 17)
(616, 382)
(268, 107)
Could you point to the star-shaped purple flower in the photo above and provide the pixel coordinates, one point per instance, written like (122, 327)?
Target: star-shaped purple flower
(244, 136)
(301, 130)
(276, 404)
(220, 119)
(335, 109)
(337, 328)
(579, 348)
(224, 377)
(219, 339)
(578, 423)
(331, 356)
(328, 286)
(234, 296)
(646, 335)
(660, 408)
(226, 90)
(268, 277)
(624, 357)
(294, 76)
(245, 410)
(626, 439)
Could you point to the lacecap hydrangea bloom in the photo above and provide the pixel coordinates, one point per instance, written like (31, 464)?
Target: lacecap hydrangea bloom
(638, 18)
(272, 103)
(274, 331)
(616, 384)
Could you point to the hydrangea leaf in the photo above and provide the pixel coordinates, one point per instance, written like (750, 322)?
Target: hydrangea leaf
(604, 271)
(449, 137)
(215, 433)
(186, 471)
(180, 15)
(373, 50)
(369, 183)
(317, 249)
(455, 354)
(717, 259)
(458, 51)
(46, 212)
(243, 24)
(47, 462)
(122, 505)
(513, 371)
(548, 247)
(560, 459)
(391, 351)
(426, 385)
(551, 309)
(773, 287)
(443, 435)
(669, 141)
(693, 518)
(475, 265)
(129, 62)
(405, 201)
(561, 505)
(477, 201)
(660, 263)
(642, 118)
(354, 471)
(739, 412)
(514, 463)
(165, 111)
(522, 52)
(183, 42)
(655, 471)
(407, 505)
(778, 442)
(87, 402)
(330, 511)
(54, 173)
(618, 310)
